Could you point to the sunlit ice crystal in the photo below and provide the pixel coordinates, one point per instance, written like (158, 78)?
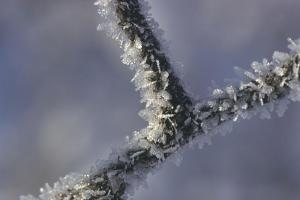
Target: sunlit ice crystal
(294, 45)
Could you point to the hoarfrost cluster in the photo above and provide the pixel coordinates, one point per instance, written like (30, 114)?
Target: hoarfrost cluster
(174, 119)
(271, 86)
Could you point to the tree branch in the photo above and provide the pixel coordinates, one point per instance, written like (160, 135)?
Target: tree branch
(174, 119)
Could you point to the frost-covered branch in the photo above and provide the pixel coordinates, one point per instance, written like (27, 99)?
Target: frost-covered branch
(174, 119)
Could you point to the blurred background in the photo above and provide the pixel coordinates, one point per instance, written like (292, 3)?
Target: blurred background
(66, 99)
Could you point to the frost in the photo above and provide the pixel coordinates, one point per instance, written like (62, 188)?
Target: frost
(279, 71)
(217, 92)
(231, 92)
(294, 45)
(231, 107)
(280, 57)
(295, 91)
(296, 70)
(209, 124)
(131, 56)
(282, 106)
(244, 105)
(261, 68)
(136, 154)
(266, 89)
(204, 140)
(251, 75)
(212, 103)
(224, 106)
(240, 72)
(165, 95)
(157, 152)
(270, 88)
(173, 118)
(76, 182)
(177, 158)
(138, 43)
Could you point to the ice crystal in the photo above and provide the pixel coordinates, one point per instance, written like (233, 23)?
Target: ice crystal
(294, 45)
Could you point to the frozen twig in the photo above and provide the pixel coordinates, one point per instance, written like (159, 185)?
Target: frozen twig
(174, 119)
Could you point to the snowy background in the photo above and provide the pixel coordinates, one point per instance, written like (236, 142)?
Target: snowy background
(66, 99)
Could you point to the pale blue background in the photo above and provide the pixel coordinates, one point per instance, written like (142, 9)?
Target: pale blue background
(66, 99)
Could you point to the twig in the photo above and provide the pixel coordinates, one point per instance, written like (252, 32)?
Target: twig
(174, 119)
